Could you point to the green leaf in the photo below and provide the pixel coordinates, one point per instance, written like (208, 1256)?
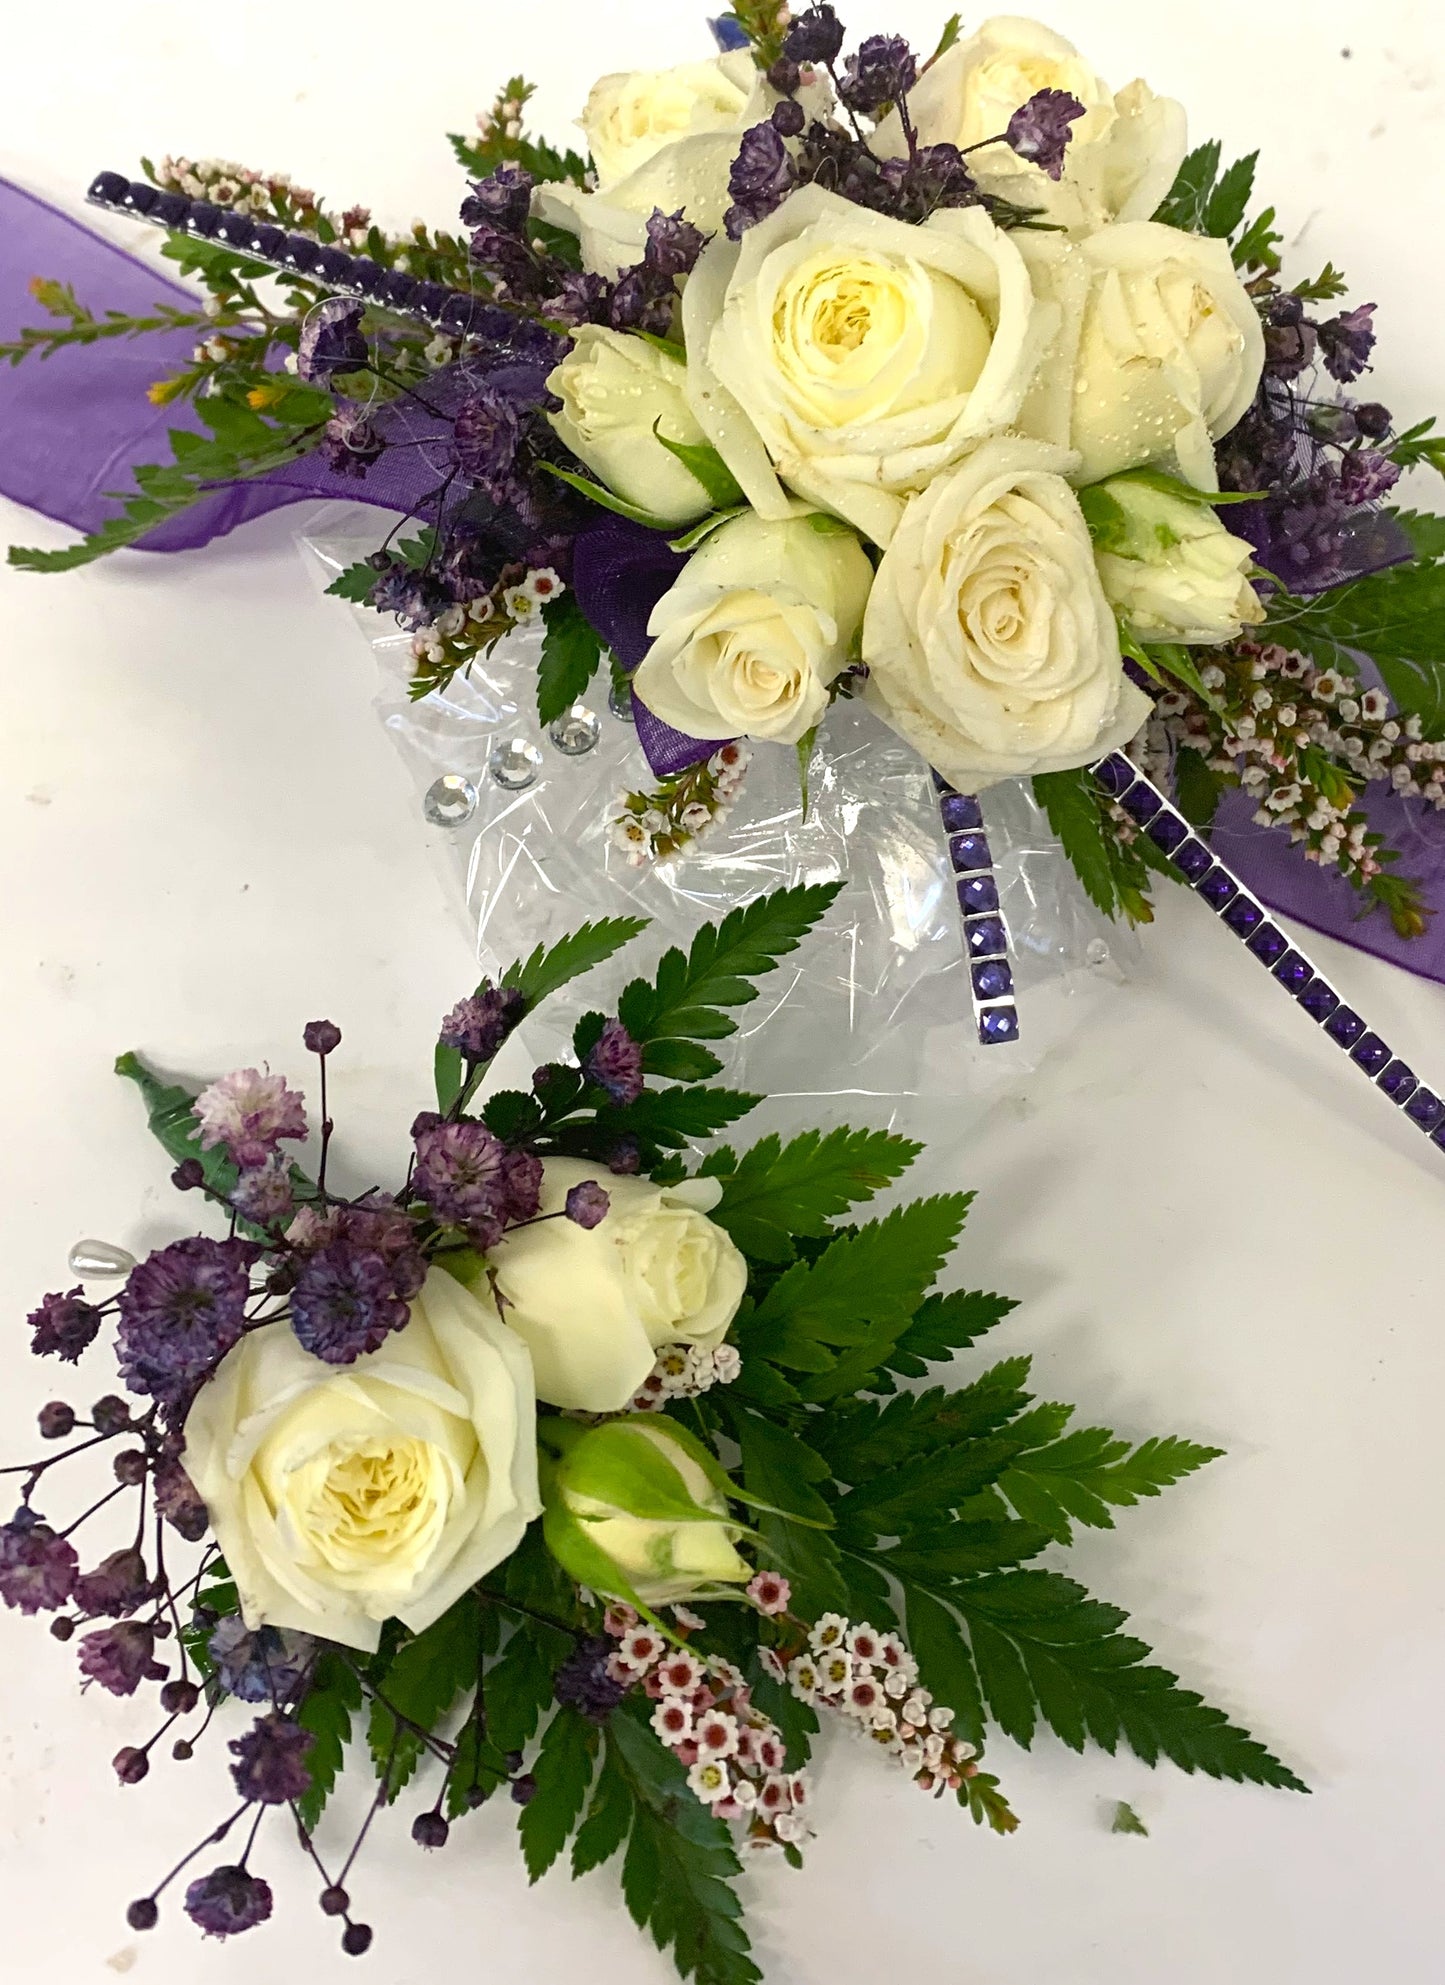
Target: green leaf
(1230, 199)
(609, 1818)
(1258, 246)
(563, 1773)
(1425, 532)
(1126, 1820)
(704, 464)
(921, 1490)
(687, 995)
(674, 1117)
(519, 1684)
(603, 498)
(940, 1647)
(680, 1864)
(1395, 617)
(171, 1117)
(1045, 1649)
(1187, 201)
(869, 1436)
(873, 1274)
(690, 539)
(355, 583)
(550, 967)
(422, 1683)
(1081, 1476)
(332, 1699)
(1074, 807)
(776, 1191)
(571, 652)
(1198, 788)
(780, 1468)
(943, 1325)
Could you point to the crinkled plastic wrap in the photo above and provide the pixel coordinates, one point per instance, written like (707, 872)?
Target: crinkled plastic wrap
(879, 999)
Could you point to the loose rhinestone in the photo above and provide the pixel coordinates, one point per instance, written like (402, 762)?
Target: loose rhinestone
(449, 800)
(619, 702)
(514, 765)
(576, 731)
(95, 1261)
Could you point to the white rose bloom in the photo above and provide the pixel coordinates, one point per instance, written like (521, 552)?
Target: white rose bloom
(990, 645)
(1123, 153)
(662, 138)
(1159, 352)
(345, 1495)
(1169, 567)
(592, 1305)
(852, 357)
(615, 389)
(759, 622)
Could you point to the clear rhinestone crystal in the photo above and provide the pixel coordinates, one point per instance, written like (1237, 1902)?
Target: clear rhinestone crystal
(514, 764)
(619, 702)
(1096, 953)
(576, 731)
(450, 800)
(94, 1261)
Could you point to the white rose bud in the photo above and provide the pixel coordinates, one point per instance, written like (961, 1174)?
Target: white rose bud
(990, 645)
(1159, 354)
(1123, 153)
(758, 623)
(638, 1509)
(346, 1495)
(592, 1305)
(852, 357)
(616, 390)
(1169, 567)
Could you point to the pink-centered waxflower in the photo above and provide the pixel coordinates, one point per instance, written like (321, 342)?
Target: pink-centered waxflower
(772, 1664)
(717, 1734)
(249, 1113)
(640, 1647)
(770, 1592)
(672, 1720)
(680, 1673)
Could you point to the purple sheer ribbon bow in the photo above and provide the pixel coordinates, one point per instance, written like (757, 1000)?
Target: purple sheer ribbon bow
(71, 427)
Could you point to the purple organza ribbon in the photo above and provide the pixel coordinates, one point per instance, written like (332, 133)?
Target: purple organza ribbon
(72, 426)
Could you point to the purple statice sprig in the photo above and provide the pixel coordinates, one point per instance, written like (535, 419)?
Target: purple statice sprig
(1040, 129)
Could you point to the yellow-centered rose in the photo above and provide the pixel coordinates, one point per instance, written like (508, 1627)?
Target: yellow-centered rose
(852, 358)
(346, 1495)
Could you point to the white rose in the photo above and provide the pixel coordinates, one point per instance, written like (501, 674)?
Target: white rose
(758, 623)
(1168, 566)
(853, 357)
(593, 1305)
(615, 390)
(988, 639)
(1159, 352)
(662, 138)
(342, 1496)
(1123, 154)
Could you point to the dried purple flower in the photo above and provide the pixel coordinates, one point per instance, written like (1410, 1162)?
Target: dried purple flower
(673, 244)
(486, 435)
(1040, 129)
(321, 1037)
(189, 1175)
(614, 1063)
(270, 1759)
(249, 1113)
(588, 1204)
(37, 1568)
(116, 1587)
(56, 1420)
(265, 1665)
(625, 1158)
(176, 1499)
(181, 1310)
(1365, 476)
(643, 300)
(351, 441)
(1373, 420)
(788, 118)
(264, 1194)
(345, 1302)
(882, 73)
(1289, 337)
(430, 1830)
(227, 1901)
(503, 200)
(581, 297)
(815, 36)
(585, 1681)
(471, 1179)
(414, 597)
(331, 340)
(63, 1326)
(1346, 342)
(762, 176)
(120, 1658)
(476, 1027)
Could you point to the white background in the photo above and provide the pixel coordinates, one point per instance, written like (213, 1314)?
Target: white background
(1215, 1227)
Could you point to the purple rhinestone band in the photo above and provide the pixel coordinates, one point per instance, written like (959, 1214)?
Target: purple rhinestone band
(985, 934)
(298, 254)
(1239, 912)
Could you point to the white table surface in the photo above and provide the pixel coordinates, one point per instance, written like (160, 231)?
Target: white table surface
(205, 840)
